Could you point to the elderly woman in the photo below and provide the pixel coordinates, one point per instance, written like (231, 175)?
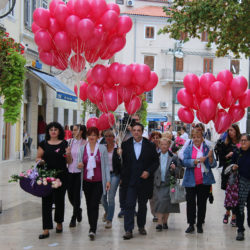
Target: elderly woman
(93, 159)
(243, 166)
(114, 163)
(198, 161)
(169, 166)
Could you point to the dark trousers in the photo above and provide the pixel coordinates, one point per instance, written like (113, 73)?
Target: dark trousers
(58, 198)
(122, 197)
(93, 193)
(132, 195)
(74, 192)
(240, 217)
(197, 196)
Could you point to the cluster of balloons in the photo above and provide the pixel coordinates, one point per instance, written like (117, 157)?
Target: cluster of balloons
(220, 99)
(105, 121)
(109, 86)
(79, 31)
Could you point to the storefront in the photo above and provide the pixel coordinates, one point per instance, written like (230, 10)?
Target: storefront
(156, 121)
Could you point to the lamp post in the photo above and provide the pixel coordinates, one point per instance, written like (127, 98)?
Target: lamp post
(177, 53)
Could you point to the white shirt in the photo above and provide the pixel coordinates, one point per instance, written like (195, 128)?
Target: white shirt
(137, 148)
(184, 136)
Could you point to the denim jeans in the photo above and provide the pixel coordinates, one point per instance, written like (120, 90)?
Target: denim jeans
(108, 200)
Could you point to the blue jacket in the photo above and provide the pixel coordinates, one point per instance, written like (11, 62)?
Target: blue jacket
(188, 162)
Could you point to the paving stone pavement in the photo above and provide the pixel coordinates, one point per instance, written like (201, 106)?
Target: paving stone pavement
(20, 225)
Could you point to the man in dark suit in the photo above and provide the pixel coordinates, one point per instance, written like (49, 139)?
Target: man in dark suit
(140, 160)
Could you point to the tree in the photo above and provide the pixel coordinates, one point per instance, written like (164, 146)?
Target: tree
(226, 22)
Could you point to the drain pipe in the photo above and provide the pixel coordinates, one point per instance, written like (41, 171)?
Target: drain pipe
(134, 25)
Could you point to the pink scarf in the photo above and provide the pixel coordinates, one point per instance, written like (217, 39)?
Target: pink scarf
(198, 176)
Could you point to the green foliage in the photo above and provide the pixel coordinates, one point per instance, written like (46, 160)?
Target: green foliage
(143, 111)
(12, 75)
(90, 107)
(226, 22)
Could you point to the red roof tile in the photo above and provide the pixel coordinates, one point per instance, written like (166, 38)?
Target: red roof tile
(156, 11)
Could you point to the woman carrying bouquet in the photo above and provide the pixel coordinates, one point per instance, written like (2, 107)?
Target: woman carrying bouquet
(54, 153)
(169, 168)
(93, 159)
(74, 177)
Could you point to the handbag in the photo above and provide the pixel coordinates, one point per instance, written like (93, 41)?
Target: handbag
(177, 193)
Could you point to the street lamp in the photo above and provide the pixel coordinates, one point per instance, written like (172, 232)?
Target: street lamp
(177, 53)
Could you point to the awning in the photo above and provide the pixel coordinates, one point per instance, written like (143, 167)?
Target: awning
(63, 92)
(156, 117)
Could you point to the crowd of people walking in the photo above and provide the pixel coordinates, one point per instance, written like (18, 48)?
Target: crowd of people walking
(144, 169)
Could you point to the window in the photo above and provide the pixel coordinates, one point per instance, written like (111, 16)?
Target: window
(175, 93)
(9, 6)
(149, 96)
(235, 66)
(150, 61)
(44, 4)
(29, 7)
(119, 1)
(183, 36)
(208, 65)
(204, 36)
(179, 64)
(150, 32)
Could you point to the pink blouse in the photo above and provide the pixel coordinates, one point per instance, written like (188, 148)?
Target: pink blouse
(197, 170)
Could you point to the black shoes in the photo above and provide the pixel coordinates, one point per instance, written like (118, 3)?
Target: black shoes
(72, 222)
(121, 214)
(240, 236)
(79, 215)
(165, 226)
(128, 235)
(190, 229)
(43, 236)
(91, 235)
(58, 231)
(159, 228)
(142, 231)
(199, 229)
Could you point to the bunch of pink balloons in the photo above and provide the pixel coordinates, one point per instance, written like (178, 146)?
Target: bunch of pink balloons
(79, 31)
(222, 99)
(109, 86)
(105, 121)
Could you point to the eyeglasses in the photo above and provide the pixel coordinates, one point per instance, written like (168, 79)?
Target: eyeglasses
(108, 136)
(243, 140)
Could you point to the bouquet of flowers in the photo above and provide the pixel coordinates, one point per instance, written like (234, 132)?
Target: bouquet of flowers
(38, 181)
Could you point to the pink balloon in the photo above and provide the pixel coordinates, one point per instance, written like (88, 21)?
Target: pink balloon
(133, 105)
(92, 122)
(85, 29)
(71, 6)
(35, 27)
(115, 7)
(106, 121)
(52, 6)
(139, 90)
(225, 76)
(124, 75)
(113, 70)
(89, 77)
(82, 8)
(238, 86)
(218, 91)
(223, 122)
(82, 91)
(152, 82)
(184, 97)
(142, 74)
(117, 44)
(54, 26)
(191, 83)
(102, 107)
(125, 94)
(99, 74)
(208, 108)
(186, 115)
(61, 13)
(47, 57)
(91, 56)
(244, 100)
(124, 24)
(98, 8)
(110, 99)
(77, 63)
(219, 112)
(94, 41)
(206, 81)
(77, 45)
(95, 93)
(236, 112)
(43, 40)
(196, 103)
(41, 17)
(62, 41)
(228, 101)
(201, 117)
(109, 19)
(71, 25)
